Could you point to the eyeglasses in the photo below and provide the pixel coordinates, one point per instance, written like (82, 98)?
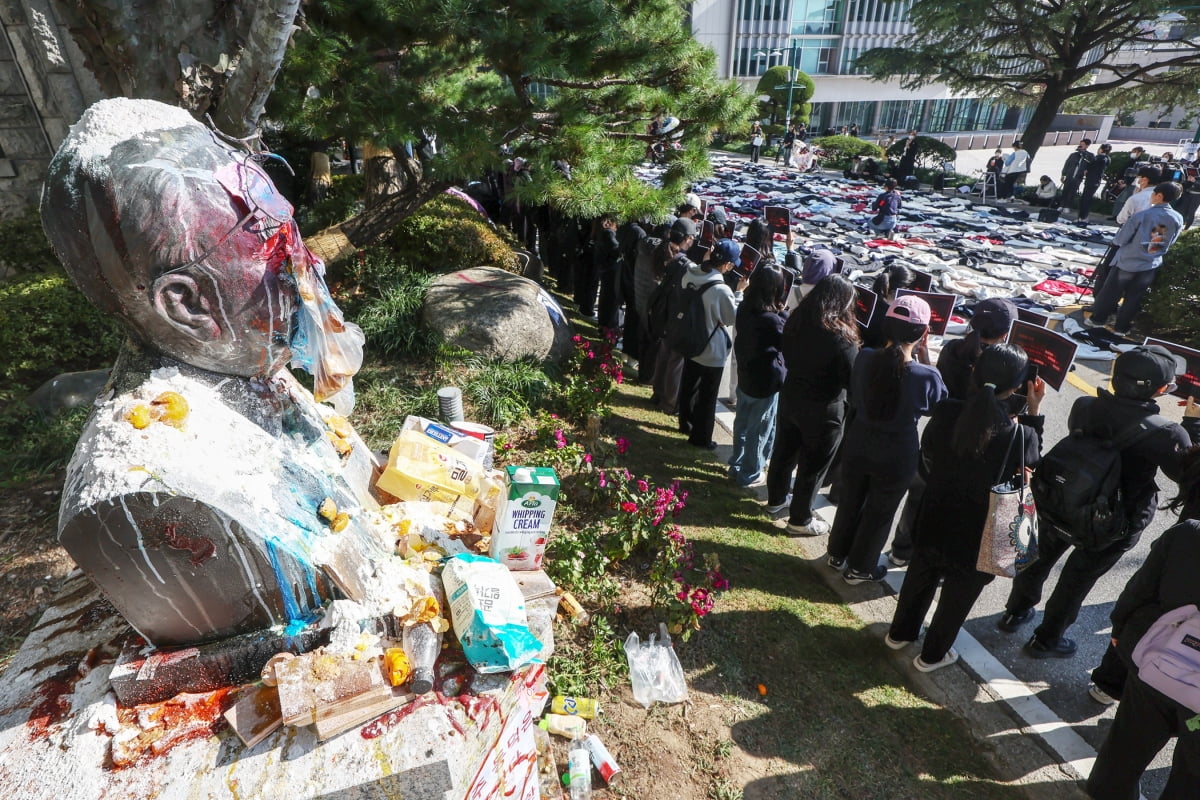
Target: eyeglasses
(245, 182)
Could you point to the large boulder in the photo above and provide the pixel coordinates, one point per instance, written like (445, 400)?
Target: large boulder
(497, 314)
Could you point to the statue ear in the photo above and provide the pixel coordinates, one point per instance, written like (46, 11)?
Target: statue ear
(179, 301)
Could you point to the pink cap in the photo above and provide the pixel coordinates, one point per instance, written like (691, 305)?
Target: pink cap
(910, 309)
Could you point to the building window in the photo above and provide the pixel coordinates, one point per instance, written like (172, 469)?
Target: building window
(753, 61)
(899, 115)
(816, 17)
(939, 112)
(763, 10)
(861, 113)
(816, 56)
(878, 10)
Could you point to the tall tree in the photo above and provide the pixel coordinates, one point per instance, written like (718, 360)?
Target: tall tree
(774, 85)
(577, 81)
(1045, 52)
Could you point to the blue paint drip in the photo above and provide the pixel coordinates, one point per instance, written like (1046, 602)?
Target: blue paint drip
(290, 605)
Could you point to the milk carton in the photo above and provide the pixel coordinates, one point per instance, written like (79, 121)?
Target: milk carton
(523, 519)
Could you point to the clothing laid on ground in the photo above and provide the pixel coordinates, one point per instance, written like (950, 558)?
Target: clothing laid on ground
(1147, 719)
(1163, 449)
(879, 458)
(812, 409)
(761, 370)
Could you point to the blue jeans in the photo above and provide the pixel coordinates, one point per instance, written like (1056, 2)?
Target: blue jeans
(753, 436)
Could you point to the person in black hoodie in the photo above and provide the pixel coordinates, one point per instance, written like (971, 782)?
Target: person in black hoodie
(1139, 376)
(757, 344)
(820, 343)
(1147, 719)
(606, 256)
(969, 446)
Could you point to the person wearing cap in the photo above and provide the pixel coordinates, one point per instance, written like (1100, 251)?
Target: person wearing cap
(701, 377)
(989, 326)
(1139, 376)
(668, 365)
(757, 344)
(890, 391)
(1093, 174)
(1141, 244)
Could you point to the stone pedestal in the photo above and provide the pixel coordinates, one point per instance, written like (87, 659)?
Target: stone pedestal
(60, 726)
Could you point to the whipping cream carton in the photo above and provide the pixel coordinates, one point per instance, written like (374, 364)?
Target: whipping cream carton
(523, 519)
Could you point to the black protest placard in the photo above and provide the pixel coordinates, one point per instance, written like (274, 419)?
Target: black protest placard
(1033, 317)
(748, 262)
(778, 218)
(1187, 382)
(865, 302)
(1052, 353)
(941, 306)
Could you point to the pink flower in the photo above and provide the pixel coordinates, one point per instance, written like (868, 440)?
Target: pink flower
(622, 445)
(560, 439)
(628, 507)
(603, 481)
(643, 486)
(587, 458)
(719, 582)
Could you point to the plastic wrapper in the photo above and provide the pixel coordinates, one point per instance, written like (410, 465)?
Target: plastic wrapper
(654, 669)
(420, 468)
(488, 610)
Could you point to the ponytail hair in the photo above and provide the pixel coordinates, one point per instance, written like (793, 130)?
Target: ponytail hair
(1000, 368)
(1189, 481)
(897, 276)
(886, 379)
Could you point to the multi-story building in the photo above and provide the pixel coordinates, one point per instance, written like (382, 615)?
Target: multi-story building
(824, 37)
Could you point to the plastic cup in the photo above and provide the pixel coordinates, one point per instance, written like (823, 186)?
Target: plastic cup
(450, 405)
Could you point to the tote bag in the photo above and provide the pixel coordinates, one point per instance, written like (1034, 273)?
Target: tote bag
(1009, 541)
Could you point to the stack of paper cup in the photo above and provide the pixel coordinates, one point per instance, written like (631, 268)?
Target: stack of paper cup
(450, 406)
(488, 435)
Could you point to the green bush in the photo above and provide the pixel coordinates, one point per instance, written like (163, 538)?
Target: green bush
(1172, 304)
(839, 150)
(930, 152)
(49, 327)
(36, 445)
(446, 235)
(503, 392)
(25, 246)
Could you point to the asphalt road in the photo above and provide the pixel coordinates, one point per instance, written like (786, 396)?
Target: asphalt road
(1062, 683)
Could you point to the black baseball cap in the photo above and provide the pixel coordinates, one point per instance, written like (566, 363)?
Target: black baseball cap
(681, 229)
(1141, 371)
(993, 317)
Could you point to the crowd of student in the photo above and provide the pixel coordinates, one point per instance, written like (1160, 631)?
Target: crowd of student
(816, 393)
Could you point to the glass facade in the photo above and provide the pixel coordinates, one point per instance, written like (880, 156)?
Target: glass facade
(816, 17)
(899, 115)
(813, 56)
(861, 113)
(763, 10)
(878, 10)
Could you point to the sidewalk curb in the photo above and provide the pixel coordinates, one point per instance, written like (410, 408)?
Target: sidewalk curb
(1029, 745)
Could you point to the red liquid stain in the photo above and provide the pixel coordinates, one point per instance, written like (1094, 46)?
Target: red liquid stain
(201, 548)
(55, 703)
(184, 718)
(391, 719)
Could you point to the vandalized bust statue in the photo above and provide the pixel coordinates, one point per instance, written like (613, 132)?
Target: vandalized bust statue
(209, 494)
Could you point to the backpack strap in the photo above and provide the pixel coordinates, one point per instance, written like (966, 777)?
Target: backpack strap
(1139, 430)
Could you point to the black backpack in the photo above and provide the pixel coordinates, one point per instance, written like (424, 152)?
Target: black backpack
(1077, 487)
(687, 323)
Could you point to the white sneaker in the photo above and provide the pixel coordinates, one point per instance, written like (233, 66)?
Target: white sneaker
(1101, 696)
(948, 659)
(894, 644)
(815, 527)
(775, 509)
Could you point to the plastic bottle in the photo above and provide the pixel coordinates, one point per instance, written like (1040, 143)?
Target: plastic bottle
(579, 770)
(422, 644)
(563, 725)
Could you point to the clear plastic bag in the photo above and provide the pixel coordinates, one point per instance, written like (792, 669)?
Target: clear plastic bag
(654, 669)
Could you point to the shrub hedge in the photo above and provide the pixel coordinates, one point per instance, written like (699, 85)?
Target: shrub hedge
(1171, 306)
(930, 152)
(839, 150)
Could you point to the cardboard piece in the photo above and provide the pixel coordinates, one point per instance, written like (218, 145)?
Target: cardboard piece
(312, 682)
(1187, 382)
(356, 711)
(941, 306)
(1052, 353)
(255, 714)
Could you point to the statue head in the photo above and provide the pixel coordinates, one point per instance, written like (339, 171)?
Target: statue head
(187, 241)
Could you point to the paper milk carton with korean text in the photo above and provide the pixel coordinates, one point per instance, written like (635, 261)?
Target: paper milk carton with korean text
(523, 519)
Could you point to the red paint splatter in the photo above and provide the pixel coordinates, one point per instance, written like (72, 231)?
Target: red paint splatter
(391, 719)
(200, 547)
(55, 693)
(184, 718)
